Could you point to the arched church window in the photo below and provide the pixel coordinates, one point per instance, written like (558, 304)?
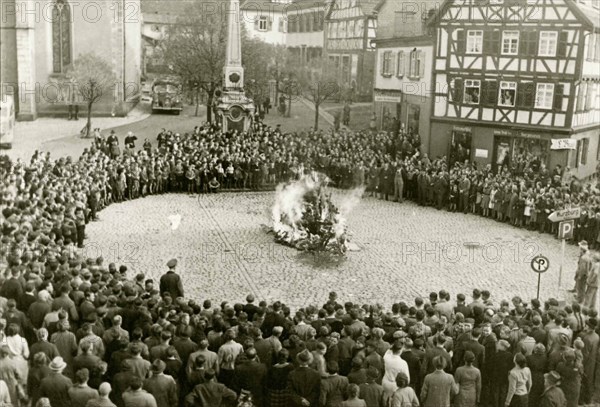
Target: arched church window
(61, 36)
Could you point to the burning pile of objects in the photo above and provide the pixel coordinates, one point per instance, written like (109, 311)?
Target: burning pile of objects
(304, 216)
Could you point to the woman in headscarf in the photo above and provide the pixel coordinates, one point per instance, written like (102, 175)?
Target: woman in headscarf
(468, 378)
(538, 364)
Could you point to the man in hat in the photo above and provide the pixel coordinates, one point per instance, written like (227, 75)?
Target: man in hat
(553, 396)
(584, 266)
(171, 282)
(372, 392)
(55, 386)
(304, 383)
(163, 387)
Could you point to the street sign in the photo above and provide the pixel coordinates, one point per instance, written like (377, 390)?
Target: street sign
(564, 144)
(565, 229)
(565, 214)
(540, 264)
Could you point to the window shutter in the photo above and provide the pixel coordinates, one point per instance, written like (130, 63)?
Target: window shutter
(563, 42)
(558, 96)
(525, 95)
(270, 24)
(461, 42)
(392, 68)
(401, 64)
(584, 150)
(457, 96)
(256, 24)
(382, 64)
(490, 93)
(487, 42)
(421, 57)
(281, 24)
(528, 45)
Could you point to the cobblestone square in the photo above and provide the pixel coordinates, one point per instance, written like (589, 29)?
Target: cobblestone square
(224, 252)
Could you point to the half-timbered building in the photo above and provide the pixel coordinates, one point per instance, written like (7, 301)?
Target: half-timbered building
(511, 76)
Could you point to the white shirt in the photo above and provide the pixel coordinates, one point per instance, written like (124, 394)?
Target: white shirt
(394, 364)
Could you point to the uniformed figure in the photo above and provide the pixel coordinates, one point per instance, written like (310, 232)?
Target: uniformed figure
(171, 282)
(584, 266)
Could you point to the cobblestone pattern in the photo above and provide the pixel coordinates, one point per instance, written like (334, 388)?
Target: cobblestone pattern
(224, 252)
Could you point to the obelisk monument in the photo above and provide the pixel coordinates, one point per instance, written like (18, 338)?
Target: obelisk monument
(234, 108)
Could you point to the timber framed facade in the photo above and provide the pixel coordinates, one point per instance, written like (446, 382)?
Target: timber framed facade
(511, 75)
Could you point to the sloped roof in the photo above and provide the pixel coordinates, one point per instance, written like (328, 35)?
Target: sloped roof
(588, 12)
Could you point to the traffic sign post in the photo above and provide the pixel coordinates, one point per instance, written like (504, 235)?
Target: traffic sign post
(540, 264)
(566, 217)
(565, 231)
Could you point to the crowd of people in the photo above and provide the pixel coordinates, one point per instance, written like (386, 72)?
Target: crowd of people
(76, 332)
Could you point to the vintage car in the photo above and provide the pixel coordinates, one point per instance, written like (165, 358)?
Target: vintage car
(167, 95)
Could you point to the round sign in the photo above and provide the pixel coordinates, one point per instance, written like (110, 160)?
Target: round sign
(540, 264)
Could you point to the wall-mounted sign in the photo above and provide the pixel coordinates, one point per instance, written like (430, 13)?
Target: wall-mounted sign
(480, 153)
(564, 144)
(388, 98)
(465, 129)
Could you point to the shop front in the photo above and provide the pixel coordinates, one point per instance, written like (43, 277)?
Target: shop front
(387, 105)
(501, 148)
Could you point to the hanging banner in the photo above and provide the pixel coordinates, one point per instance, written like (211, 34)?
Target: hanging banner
(564, 144)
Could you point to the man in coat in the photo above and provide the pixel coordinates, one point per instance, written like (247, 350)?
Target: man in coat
(590, 351)
(56, 386)
(438, 387)
(171, 282)
(210, 393)
(304, 383)
(135, 396)
(553, 396)
(252, 376)
(161, 386)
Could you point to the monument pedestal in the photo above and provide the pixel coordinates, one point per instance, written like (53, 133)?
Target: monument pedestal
(235, 110)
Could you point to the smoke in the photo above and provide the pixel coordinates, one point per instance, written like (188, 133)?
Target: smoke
(175, 221)
(291, 205)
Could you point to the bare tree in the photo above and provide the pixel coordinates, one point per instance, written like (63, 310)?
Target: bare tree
(195, 50)
(90, 76)
(319, 82)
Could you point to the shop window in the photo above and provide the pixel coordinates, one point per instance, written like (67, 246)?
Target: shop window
(460, 149)
(508, 93)
(472, 91)
(530, 152)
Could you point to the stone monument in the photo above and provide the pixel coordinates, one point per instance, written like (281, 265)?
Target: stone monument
(235, 110)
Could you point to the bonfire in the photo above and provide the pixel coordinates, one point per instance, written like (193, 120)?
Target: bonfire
(305, 217)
